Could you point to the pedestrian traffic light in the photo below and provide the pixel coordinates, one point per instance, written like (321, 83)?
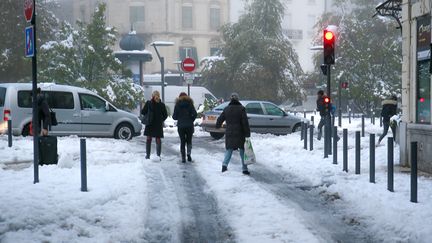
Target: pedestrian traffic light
(329, 46)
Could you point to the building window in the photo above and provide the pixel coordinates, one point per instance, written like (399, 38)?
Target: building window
(136, 14)
(188, 51)
(187, 17)
(214, 18)
(215, 51)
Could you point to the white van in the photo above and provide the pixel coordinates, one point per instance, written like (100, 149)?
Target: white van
(198, 93)
(78, 111)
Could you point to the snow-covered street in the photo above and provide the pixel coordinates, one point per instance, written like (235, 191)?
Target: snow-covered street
(292, 195)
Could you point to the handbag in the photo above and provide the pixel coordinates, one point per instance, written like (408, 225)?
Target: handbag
(249, 155)
(146, 119)
(53, 118)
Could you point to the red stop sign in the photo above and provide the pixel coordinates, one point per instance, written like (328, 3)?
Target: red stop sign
(188, 64)
(28, 10)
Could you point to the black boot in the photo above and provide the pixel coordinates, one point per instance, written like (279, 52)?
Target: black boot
(189, 150)
(183, 153)
(148, 149)
(158, 149)
(224, 168)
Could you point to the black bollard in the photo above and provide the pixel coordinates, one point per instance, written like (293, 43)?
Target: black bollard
(311, 127)
(390, 164)
(363, 126)
(325, 142)
(372, 158)
(304, 114)
(9, 124)
(414, 172)
(335, 140)
(357, 151)
(345, 150)
(381, 121)
(83, 165)
(305, 135)
(301, 131)
(312, 120)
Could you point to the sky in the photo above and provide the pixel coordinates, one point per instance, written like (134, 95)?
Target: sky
(131, 199)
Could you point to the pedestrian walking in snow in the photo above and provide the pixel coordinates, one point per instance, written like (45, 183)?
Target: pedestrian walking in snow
(389, 109)
(185, 114)
(155, 127)
(236, 132)
(321, 107)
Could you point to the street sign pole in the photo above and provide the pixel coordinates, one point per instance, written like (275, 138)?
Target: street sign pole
(35, 113)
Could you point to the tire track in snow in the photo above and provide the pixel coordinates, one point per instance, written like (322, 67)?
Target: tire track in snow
(329, 223)
(179, 192)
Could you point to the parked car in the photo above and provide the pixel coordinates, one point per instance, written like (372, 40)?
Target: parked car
(78, 111)
(263, 116)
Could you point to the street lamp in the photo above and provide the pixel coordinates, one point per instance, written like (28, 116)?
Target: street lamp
(155, 44)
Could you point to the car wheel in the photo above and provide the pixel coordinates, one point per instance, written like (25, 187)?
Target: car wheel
(123, 131)
(296, 128)
(216, 135)
(26, 130)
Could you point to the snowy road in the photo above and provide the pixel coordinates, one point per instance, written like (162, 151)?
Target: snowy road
(327, 222)
(291, 196)
(187, 201)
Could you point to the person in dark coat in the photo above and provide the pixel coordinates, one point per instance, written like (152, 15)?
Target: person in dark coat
(236, 132)
(43, 114)
(185, 114)
(389, 109)
(321, 107)
(155, 128)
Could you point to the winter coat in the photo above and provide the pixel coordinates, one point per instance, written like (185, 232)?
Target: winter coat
(184, 112)
(389, 109)
(321, 107)
(237, 125)
(43, 112)
(158, 116)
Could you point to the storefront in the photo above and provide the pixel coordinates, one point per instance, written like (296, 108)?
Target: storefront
(416, 82)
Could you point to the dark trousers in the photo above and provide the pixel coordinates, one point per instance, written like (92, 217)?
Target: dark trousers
(386, 125)
(185, 134)
(320, 126)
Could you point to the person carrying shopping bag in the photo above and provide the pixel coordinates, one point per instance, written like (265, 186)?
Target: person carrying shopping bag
(185, 114)
(236, 132)
(155, 127)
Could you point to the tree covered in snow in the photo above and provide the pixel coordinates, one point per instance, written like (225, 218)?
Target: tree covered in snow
(259, 61)
(83, 57)
(14, 66)
(368, 54)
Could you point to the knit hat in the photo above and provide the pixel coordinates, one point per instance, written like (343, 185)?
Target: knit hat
(234, 96)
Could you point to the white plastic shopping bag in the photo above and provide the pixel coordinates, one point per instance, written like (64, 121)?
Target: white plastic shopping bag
(249, 155)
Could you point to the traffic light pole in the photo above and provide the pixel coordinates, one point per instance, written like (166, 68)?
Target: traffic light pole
(328, 117)
(340, 104)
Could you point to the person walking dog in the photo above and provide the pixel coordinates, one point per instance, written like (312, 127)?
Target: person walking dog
(185, 114)
(155, 128)
(389, 109)
(236, 132)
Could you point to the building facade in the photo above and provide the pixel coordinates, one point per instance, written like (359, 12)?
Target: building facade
(416, 82)
(191, 24)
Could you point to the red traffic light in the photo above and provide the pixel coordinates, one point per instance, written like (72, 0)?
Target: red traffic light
(328, 35)
(326, 100)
